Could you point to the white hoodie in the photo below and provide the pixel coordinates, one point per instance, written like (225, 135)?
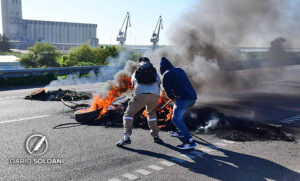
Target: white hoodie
(153, 88)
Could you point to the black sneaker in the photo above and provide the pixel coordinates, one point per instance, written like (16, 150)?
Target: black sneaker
(157, 139)
(123, 142)
(176, 134)
(187, 145)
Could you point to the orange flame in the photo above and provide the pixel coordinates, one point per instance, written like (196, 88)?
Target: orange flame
(102, 102)
(121, 85)
(144, 113)
(161, 101)
(42, 89)
(163, 98)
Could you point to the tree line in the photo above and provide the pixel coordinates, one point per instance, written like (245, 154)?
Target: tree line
(43, 55)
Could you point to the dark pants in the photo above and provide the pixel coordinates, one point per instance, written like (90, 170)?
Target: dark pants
(179, 109)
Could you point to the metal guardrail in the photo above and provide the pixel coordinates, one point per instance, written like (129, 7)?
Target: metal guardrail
(55, 71)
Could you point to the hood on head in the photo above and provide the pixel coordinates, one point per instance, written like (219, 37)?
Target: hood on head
(165, 65)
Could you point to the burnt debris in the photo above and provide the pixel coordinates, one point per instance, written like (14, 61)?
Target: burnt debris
(114, 115)
(206, 120)
(58, 95)
(200, 120)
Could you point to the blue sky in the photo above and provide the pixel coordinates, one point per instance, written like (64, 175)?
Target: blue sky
(109, 15)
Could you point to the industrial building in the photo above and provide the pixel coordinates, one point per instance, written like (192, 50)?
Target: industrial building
(24, 33)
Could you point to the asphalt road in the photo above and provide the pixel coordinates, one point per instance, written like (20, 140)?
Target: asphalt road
(89, 152)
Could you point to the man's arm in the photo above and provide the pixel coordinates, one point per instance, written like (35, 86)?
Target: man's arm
(158, 81)
(133, 79)
(167, 84)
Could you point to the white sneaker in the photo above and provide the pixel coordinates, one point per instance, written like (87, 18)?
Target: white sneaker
(124, 142)
(187, 145)
(175, 134)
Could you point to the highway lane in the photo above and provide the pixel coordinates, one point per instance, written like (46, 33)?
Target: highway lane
(89, 152)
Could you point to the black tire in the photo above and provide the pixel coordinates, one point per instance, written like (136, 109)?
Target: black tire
(37, 95)
(87, 117)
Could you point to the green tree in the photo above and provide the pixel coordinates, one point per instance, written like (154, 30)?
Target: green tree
(102, 53)
(4, 43)
(41, 55)
(83, 53)
(84, 64)
(63, 60)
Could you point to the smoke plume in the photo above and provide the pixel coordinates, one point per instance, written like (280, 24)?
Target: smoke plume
(206, 40)
(118, 78)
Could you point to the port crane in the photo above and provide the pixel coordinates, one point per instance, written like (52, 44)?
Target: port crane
(123, 33)
(156, 32)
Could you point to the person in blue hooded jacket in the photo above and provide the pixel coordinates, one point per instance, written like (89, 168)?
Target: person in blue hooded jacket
(180, 90)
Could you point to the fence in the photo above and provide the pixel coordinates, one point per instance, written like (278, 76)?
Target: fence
(55, 71)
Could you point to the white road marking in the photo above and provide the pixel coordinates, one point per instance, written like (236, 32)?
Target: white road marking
(187, 156)
(167, 163)
(178, 160)
(24, 119)
(198, 153)
(114, 179)
(12, 97)
(227, 141)
(205, 149)
(143, 172)
(155, 167)
(221, 144)
(130, 176)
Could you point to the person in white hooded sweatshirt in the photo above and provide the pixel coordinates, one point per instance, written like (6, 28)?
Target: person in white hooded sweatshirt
(146, 83)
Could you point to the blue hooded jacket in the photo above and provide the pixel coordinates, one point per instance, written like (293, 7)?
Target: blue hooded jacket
(176, 82)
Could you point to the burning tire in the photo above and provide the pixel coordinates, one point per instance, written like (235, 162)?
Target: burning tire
(86, 116)
(39, 94)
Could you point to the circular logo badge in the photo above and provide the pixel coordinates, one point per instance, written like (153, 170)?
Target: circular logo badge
(36, 144)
